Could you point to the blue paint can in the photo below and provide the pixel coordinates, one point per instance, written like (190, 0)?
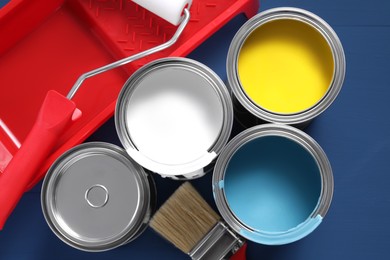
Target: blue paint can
(273, 184)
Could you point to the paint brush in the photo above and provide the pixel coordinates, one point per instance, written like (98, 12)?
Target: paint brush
(189, 223)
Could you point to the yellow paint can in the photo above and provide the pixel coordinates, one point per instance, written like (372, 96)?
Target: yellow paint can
(286, 65)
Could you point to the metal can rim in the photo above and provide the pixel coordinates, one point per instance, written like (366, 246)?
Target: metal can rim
(141, 216)
(294, 134)
(315, 22)
(193, 169)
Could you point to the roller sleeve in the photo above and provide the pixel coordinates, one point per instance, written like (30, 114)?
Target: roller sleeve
(169, 10)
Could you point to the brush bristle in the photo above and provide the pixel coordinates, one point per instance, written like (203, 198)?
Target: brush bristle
(185, 218)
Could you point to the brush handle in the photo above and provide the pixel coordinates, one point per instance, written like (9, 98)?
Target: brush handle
(54, 117)
(240, 254)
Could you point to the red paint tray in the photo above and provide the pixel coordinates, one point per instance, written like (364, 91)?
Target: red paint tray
(48, 44)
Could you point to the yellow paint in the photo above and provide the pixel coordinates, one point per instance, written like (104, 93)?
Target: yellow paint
(285, 66)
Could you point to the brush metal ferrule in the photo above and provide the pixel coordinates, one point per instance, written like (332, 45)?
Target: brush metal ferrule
(219, 243)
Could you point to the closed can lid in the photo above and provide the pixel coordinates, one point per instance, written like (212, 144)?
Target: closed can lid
(95, 198)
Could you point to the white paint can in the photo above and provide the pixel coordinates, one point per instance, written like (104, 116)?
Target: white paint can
(174, 116)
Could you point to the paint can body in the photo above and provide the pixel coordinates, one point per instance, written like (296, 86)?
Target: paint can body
(173, 117)
(95, 198)
(285, 65)
(273, 184)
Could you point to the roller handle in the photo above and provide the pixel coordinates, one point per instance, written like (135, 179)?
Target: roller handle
(54, 116)
(240, 254)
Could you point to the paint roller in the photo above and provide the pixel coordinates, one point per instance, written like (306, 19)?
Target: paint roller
(58, 112)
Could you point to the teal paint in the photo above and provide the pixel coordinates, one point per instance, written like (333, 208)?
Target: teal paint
(272, 184)
(292, 235)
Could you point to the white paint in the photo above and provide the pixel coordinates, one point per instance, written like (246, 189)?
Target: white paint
(174, 116)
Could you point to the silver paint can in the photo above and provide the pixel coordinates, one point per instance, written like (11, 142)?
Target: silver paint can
(279, 83)
(173, 117)
(95, 198)
(273, 184)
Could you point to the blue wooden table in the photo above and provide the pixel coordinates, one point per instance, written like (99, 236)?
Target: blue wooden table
(354, 132)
